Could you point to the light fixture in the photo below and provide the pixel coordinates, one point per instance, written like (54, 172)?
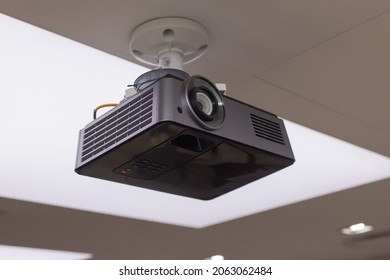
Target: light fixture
(26, 253)
(358, 228)
(217, 258)
(47, 87)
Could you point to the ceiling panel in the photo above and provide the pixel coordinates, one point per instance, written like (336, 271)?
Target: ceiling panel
(254, 34)
(306, 230)
(348, 74)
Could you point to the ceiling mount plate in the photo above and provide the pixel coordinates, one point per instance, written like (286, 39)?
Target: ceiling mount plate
(169, 42)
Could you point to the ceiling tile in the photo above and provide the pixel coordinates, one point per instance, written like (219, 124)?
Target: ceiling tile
(349, 74)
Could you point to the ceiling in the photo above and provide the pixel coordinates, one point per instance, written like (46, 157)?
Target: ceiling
(322, 64)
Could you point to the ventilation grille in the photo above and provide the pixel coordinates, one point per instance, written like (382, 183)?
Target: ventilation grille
(117, 125)
(267, 129)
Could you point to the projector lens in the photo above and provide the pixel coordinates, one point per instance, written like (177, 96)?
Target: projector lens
(205, 102)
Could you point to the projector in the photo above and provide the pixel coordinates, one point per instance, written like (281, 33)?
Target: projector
(179, 134)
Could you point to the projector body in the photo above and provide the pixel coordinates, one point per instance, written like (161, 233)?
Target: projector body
(181, 136)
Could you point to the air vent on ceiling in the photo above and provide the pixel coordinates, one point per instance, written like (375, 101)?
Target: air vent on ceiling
(267, 129)
(117, 125)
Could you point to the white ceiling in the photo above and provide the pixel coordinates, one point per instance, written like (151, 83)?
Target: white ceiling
(54, 108)
(322, 64)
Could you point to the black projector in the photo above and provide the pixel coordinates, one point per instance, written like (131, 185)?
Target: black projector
(178, 134)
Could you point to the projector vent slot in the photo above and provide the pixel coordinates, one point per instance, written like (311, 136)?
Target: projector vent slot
(117, 125)
(267, 129)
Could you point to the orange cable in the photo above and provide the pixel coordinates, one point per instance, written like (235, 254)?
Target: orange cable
(102, 106)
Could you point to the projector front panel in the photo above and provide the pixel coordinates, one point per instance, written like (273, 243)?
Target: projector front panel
(242, 123)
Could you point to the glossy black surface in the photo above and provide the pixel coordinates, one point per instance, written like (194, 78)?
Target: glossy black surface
(186, 162)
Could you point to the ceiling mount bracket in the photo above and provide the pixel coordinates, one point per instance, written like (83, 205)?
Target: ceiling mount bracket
(169, 42)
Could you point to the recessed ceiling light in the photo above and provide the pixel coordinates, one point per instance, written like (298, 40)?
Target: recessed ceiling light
(356, 229)
(26, 253)
(51, 84)
(216, 258)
